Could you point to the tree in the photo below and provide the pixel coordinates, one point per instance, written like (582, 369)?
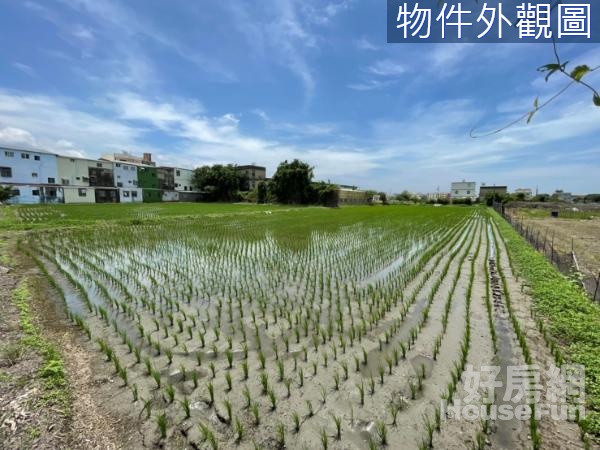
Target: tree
(261, 192)
(383, 197)
(325, 194)
(292, 182)
(404, 196)
(221, 182)
(6, 192)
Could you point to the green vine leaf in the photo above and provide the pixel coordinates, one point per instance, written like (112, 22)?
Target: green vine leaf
(552, 68)
(596, 99)
(579, 71)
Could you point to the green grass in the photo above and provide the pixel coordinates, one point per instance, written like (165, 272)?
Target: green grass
(52, 370)
(43, 216)
(540, 213)
(573, 320)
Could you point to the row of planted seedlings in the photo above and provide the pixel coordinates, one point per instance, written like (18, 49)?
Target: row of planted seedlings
(480, 439)
(535, 436)
(170, 307)
(444, 346)
(552, 345)
(416, 383)
(519, 329)
(386, 360)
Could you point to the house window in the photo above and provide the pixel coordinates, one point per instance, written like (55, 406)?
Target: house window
(72, 160)
(51, 192)
(64, 181)
(456, 192)
(133, 194)
(178, 173)
(33, 174)
(36, 157)
(15, 192)
(129, 181)
(135, 182)
(98, 164)
(185, 188)
(35, 192)
(125, 193)
(9, 154)
(5, 172)
(468, 192)
(119, 184)
(82, 192)
(25, 155)
(51, 180)
(119, 165)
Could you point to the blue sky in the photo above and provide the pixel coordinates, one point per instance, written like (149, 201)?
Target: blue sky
(200, 82)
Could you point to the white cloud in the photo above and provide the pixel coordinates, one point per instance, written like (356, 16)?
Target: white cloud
(27, 70)
(386, 68)
(371, 85)
(17, 136)
(365, 44)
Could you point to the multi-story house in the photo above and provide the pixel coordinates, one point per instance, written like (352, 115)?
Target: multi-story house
(527, 193)
(127, 157)
(463, 190)
(254, 173)
(86, 180)
(148, 181)
(126, 181)
(32, 174)
(491, 189)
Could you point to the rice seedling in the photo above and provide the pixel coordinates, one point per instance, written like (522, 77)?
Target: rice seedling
(239, 430)
(280, 434)
(255, 413)
(228, 381)
(337, 420)
(324, 439)
(382, 432)
(161, 421)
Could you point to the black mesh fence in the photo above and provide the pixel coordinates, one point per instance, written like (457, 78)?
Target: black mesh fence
(566, 262)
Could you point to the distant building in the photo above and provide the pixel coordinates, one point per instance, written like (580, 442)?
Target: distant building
(127, 157)
(254, 173)
(31, 173)
(86, 180)
(435, 196)
(562, 196)
(148, 181)
(126, 181)
(527, 193)
(354, 196)
(463, 190)
(484, 190)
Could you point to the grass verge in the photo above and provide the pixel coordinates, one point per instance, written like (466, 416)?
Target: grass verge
(573, 320)
(53, 369)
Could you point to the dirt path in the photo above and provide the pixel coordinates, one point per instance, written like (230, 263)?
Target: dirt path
(83, 420)
(556, 434)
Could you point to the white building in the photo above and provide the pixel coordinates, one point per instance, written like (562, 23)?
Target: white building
(527, 192)
(126, 181)
(463, 190)
(183, 179)
(31, 173)
(86, 180)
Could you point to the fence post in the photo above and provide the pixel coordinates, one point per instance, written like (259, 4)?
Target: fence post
(597, 284)
(552, 248)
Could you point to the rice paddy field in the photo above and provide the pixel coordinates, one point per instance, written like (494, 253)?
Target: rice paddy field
(263, 327)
